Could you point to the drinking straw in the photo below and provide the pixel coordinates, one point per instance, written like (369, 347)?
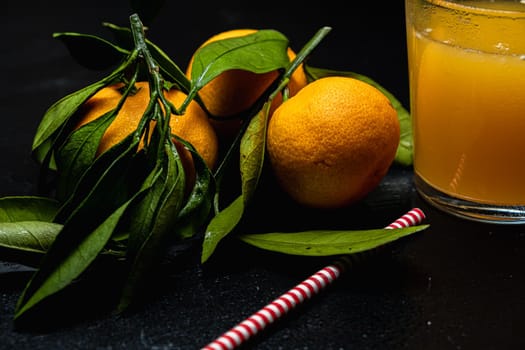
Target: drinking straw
(297, 295)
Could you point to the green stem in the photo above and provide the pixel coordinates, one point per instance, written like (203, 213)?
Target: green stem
(307, 49)
(155, 78)
(140, 43)
(300, 57)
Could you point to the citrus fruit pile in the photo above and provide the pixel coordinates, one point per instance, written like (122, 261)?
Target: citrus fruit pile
(136, 161)
(236, 90)
(329, 143)
(193, 125)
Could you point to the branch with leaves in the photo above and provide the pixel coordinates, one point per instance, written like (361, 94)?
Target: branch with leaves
(131, 202)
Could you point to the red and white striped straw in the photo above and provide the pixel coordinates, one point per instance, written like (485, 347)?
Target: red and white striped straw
(295, 296)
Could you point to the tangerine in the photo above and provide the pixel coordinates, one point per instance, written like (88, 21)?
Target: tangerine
(192, 126)
(333, 142)
(235, 91)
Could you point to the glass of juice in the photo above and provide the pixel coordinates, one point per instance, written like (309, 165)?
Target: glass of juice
(467, 100)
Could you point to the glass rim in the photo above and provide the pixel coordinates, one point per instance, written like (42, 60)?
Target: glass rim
(472, 7)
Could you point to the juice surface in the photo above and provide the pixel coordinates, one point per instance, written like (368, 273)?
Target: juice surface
(469, 106)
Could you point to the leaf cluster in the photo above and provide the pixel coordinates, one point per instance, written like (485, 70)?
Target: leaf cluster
(132, 202)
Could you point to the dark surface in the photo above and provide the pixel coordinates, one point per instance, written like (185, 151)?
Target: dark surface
(457, 285)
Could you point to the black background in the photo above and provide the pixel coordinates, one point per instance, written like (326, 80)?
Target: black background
(458, 285)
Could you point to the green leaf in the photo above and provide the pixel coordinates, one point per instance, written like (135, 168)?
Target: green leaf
(196, 211)
(252, 151)
(26, 242)
(140, 215)
(27, 208)
(105, 185)
(260, 52)
(26, 228)
(251, 161)
(164, 178)
(92, 51)
(220, 225)
(327, 242)
(59, 113)
(65, 262)
(78, 152)
(150, 246)
(79, 149)
(90, 218)
(404, 153)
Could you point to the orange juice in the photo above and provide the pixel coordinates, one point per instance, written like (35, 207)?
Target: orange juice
(467, 93)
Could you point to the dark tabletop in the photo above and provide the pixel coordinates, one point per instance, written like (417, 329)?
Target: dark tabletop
(457, 285)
